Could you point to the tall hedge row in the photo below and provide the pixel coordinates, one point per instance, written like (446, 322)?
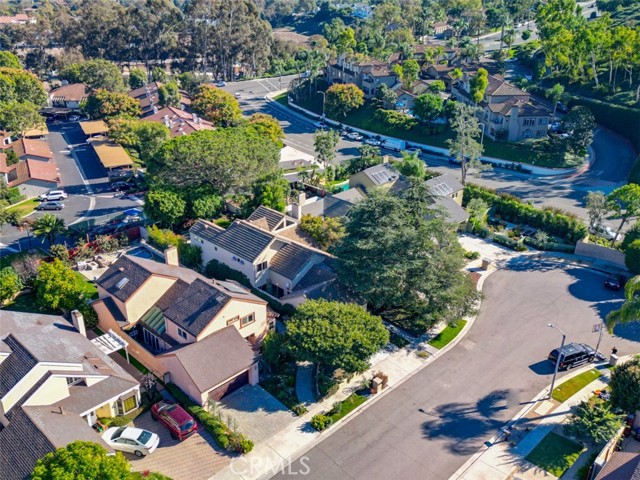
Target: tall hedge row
(553, 221)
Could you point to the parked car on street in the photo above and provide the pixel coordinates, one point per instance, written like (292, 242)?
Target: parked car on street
(132, 440)
(572, 355)
(74, 118)
(50, 206)
(120, 186)
(321, 125)
(355, 136)
(53, 195)
(181, 425)
(613, 283)
(373, 142)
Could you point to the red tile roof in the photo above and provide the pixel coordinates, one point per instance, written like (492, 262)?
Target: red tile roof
(40, 170)
(74, 92)
(32, 147)
(4, 168)
(179, 121)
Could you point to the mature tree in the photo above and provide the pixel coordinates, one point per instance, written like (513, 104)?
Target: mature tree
(386, 96)
(478, 84)
(327, 231)
(207, 206)
(81, 460)
(164, 207)
(581, 123)
(403, 264)
(411, 165)
(407, 72)
(269, 126)
(595, 423)
(137, 78)
(625, 386)
(169, 95)
(428, 106)
(190, 82)
(596, 204)
(151, 136)
(271, 191)
(10, 284)
(437, 86)
(57, 286)
(22, 86)
(342, 98)
(220, 160)
(18, 117)
(477, 210)
(96, 74)
(105, 104)
(630, 236)
(465, 146)
(630, 310)
(624, 202)
(369, 156)
(556, 94)
(9, 60)
(217, 106)
(159, 74)
(325, 143)
(48, 226)
(632, 257)
(341, 335)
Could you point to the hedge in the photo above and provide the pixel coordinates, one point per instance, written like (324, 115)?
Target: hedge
(620, 119)
(224, 436)
(549, 246)
(553, 221)
(509, 242)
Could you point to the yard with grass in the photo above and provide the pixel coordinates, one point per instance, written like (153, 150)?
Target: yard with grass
(555, 454)
(534, 152)
(447, 335)
(24, 208)
(567, 389)
(348, 405)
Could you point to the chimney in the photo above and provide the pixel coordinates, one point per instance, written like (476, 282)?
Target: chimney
(296, 208)
(78, 322)
(171, 256)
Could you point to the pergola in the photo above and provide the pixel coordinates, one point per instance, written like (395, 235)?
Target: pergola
(111, 342)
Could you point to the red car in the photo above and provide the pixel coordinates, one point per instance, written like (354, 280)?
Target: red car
(175, 418)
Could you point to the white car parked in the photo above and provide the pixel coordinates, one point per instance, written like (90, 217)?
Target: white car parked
(132, 440)
(53, 196)
(603, 231)
(373, 142)
(355, 136)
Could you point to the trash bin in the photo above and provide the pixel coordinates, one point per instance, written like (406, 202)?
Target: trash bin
(486, 263)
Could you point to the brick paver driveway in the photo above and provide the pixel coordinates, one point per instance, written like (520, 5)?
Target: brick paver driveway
(196, 458)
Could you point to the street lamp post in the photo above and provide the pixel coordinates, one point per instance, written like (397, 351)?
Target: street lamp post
(324, 97)
(555, 372)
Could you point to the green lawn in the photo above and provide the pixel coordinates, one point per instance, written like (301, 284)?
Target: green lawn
(531, 152)
(24, 208)
(567, 389)
(447, 335)
(90, 290)
(27, 303)
(555, 454)
(349, 404)
(283, 98)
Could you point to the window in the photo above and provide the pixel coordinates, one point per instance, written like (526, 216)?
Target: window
(541, 133)
(126, 405)
(262, 266)
(542, 121)
(529, 122)
(182, 333)
(249, 319)
(232, 320)
(74, 380)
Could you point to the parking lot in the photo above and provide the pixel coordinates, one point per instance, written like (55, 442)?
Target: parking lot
(196, 458)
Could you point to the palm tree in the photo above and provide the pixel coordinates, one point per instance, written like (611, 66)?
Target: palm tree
(630, 310)
(48, 226)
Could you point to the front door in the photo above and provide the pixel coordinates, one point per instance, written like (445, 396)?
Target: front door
(92, 418)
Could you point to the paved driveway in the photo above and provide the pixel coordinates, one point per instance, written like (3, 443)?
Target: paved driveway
(196, 458)
(431, 424)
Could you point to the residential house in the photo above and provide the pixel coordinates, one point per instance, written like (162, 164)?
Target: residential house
(178, 121)
(18, 19)
(447, 195)
(405, 99)
(333, 206)
(507, 112)
(379, 176)
(368, 74)
(271, 261)
(442, 30)
(621, 466)
(148, 98)
(54, 385)
(28, 148)
(36, 171)
(68, 96)
(427, 54)
(190, 330)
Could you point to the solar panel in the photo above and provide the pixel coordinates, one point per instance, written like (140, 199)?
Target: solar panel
(442, 189)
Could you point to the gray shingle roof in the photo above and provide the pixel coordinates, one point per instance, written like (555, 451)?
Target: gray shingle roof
(329, 206)
(455, 213)
(444, 185)
(199, 303)
(621, 466)
(21, 444)
(232, 356)
(123, 278)
(244, 240)
(316, 275)
(15, 366)
(290, 260)
(83, 398)
(206, 230)
(272, 217)
(381, 174)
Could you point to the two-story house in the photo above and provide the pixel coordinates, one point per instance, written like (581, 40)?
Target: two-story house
(54, 385)
(190, 330)
(256, 247)
(68, 96)
(507, 112)
(368, 74)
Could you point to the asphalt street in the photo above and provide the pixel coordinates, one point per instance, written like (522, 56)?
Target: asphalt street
(614, 155)
(431, 424)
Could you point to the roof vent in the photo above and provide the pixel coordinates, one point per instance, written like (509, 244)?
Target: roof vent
(121, 269)
(122, 283)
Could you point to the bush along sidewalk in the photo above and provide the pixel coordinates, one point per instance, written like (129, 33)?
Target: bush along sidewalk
(225, 436)
(322, 421)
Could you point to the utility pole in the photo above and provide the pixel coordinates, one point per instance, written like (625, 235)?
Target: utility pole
(555, 372)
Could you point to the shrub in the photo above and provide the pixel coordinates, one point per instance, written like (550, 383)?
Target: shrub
(625, 386)
(320, 422)
(394, 119)
(220, 271)
(471, 255)
(632, 257)
(299, 409)
(190, 255)
(325, 231)
(632, 235)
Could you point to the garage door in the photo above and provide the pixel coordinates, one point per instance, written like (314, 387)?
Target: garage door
(229, 387)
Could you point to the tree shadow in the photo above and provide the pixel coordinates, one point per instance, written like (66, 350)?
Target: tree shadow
(464, 425)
